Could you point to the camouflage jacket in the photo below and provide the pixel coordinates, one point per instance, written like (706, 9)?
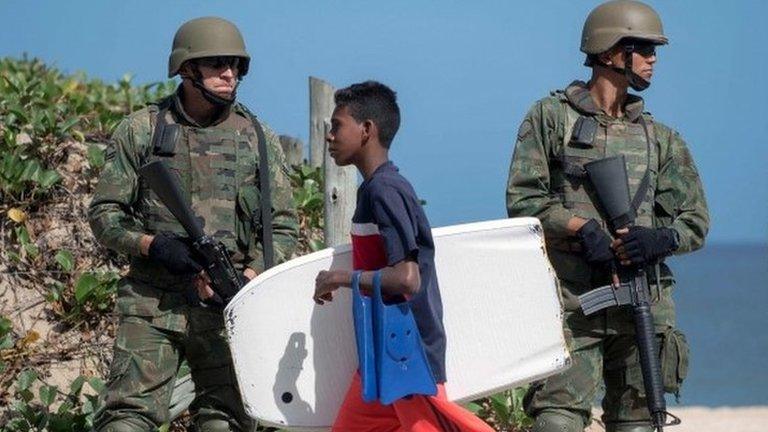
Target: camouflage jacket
(678, 196)
(218, 168)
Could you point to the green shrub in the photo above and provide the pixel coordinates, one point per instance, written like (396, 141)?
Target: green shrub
(40, 108)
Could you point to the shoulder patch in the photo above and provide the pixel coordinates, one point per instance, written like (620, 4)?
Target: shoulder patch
(525, 130)
(109, 153)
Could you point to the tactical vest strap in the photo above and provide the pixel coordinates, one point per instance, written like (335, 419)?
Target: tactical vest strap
(265, 206)
(265, 200)
(642, 189)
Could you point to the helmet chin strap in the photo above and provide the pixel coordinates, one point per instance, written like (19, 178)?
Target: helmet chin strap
(637, 82)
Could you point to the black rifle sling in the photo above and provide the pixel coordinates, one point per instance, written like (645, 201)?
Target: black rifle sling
(265, 201)
(642, 189)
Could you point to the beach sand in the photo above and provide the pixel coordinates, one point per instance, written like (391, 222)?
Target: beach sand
(703, 419)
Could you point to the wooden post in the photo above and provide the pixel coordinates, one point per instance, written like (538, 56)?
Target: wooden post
(320, 110)
(340, 200)
(340, 182)
(293, 149)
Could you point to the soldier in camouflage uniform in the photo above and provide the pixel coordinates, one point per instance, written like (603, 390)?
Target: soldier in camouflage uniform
(217, 161)
(562, 132)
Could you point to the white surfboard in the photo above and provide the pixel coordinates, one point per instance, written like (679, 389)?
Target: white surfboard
(502, 315)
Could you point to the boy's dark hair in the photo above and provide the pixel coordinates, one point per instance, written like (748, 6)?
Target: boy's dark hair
(371, 100)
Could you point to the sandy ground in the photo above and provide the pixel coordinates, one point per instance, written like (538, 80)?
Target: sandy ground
(701, 419)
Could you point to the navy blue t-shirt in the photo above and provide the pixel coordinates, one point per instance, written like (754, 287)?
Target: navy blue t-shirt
(390, 226)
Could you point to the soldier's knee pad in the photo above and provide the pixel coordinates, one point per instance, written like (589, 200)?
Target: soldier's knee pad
(558, 421)
(125, 425)
(214, 425)
(628, 427)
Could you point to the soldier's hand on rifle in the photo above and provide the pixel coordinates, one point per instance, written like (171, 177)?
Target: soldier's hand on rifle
(174, 254)
(595, 244)
(641, 246)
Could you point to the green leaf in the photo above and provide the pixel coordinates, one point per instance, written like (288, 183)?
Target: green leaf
(48, 394)
(26, 395)
(88, 406)
(32, 250)
(65, 407)
(500, 407)
(164, 428)
(66, 125)
(473, 407)
(6, 342)
(85, 284)
(25, 379)
(5, 326)
(65, 260)
(96, 384)
(76, 386)
(316, 245)
(47, 178)
(30, 169)
(95, 156)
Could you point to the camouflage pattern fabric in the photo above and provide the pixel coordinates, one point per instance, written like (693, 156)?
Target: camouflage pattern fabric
(539, 185)
(218, 167)
(158, 328)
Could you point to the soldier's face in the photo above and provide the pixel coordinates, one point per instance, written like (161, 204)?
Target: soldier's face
(346, 137)
(643, 60)
(220, 78)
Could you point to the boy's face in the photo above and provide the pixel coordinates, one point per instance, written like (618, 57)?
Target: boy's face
(346, 137)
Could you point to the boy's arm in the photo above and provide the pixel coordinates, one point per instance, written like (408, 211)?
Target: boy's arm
(395, 215)
(402, 278)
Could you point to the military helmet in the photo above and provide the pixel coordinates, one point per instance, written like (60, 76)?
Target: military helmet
(615, 20)
(207, 37)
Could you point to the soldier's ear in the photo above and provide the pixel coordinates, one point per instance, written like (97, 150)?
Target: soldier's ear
(605, 58)
(185, 71)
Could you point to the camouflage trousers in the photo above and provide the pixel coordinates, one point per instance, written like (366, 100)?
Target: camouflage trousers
(605, 357)
(157, 331)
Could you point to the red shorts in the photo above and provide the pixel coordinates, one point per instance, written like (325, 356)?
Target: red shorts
(414, 414)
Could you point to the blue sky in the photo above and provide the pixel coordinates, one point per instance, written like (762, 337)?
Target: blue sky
(465, 73)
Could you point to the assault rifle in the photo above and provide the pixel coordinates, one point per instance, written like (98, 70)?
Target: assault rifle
(609, 178)
(225, 280)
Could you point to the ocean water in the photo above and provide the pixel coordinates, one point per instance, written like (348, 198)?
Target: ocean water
(722, 307)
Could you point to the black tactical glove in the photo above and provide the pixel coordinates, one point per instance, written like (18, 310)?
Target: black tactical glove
(595, 244)
(174, 254)
(643, 246)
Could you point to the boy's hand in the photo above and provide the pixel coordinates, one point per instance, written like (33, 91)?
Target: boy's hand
(329, 281)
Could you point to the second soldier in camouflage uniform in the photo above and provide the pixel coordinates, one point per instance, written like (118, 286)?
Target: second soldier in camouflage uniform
(217, 161)
(562, 132)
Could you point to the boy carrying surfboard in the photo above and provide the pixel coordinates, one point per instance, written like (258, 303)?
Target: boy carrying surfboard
(391, 236)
